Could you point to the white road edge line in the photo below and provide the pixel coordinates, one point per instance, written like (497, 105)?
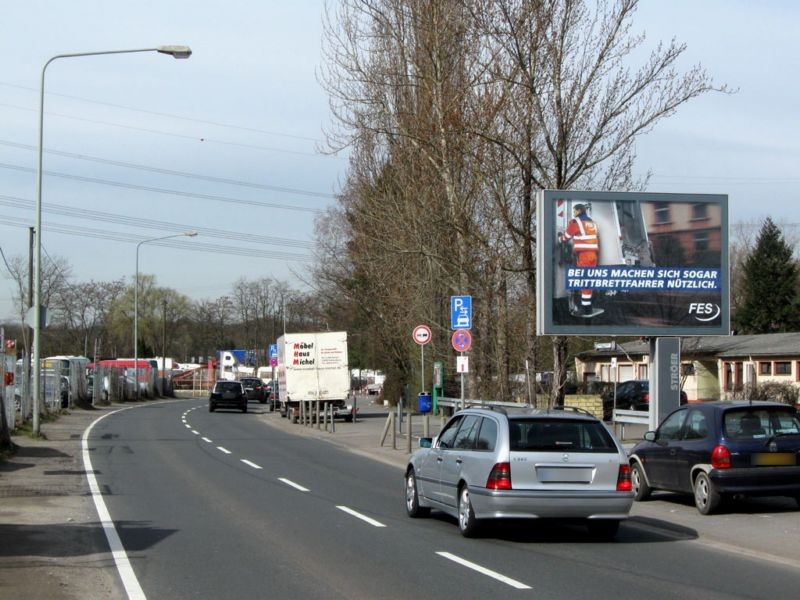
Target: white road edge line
(250, 464)
(126, 574)
(484, 571)
(291, 483)
(225, 450)
(358, 515)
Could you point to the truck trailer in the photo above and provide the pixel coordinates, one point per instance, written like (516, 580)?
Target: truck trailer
(313, 367)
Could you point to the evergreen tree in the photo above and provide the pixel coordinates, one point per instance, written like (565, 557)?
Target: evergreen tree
(770, 288)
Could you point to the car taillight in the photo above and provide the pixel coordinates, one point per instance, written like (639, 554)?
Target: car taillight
(624, 479)
(646, 397)
(500, 477)
(721, 457)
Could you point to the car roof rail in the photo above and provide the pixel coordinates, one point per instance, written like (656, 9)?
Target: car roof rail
(575, 409)
(488, 406)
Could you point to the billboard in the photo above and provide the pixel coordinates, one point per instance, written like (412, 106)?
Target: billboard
(632, 263)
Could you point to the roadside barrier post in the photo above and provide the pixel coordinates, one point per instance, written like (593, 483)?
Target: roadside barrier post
(410, 429)
(389, 421)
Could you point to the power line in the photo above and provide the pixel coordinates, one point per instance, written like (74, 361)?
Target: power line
(176, 135)
(94, 215)
(169, 115)
(144, 188)
(85, 232)
(163, 171)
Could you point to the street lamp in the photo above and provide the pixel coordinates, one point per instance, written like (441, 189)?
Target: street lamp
(175, 52)
(136, 304)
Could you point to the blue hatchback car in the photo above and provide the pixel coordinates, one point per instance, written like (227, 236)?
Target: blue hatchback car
(716, 450)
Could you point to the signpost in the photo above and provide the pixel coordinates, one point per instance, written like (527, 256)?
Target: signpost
(422, 335)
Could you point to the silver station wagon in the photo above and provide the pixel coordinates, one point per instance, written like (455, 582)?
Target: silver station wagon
(495, 463)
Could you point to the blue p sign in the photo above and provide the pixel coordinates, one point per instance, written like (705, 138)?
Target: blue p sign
(460, 312)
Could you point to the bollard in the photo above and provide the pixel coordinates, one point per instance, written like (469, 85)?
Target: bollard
(426, 426)
(333, 421)
(316, 414)
(410, 430)
(325, 419)
(389, 423)
(394, 433)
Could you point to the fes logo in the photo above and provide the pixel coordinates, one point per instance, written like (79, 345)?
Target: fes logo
(704, 311)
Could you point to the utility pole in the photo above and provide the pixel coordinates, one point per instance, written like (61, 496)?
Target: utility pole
(164, 347)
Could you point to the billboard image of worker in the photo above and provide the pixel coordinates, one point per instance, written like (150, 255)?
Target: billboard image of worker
(631, 263)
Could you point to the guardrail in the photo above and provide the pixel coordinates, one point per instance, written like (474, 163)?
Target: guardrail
(638, 417)
(456, 402)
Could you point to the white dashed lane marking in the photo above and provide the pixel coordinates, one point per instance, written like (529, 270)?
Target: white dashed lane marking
(291, 483)
(358, 515)
(484, 571)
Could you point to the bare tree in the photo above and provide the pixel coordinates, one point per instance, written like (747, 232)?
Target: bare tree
(575, 103)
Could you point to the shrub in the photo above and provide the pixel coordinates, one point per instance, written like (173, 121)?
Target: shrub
(772, 391)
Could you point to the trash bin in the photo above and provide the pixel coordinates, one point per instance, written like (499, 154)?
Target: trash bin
(424, 402)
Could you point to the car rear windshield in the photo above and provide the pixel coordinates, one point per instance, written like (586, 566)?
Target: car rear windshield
(559, 435)
(760, 423)
(227, 386)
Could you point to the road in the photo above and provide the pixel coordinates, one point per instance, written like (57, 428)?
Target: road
(223, 505)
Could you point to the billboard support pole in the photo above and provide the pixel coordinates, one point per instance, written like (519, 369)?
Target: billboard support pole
(665, 378)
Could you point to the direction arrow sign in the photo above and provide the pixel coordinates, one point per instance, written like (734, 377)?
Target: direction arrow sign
(422, 334)
(461, 340)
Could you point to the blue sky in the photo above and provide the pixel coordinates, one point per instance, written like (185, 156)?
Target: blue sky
(240, 121)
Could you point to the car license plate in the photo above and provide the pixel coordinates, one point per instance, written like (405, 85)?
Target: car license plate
(774, 458)
(564, 474)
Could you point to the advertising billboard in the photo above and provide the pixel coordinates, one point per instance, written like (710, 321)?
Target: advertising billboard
(632, 263)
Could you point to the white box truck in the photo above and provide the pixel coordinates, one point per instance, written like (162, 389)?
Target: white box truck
(313, 367)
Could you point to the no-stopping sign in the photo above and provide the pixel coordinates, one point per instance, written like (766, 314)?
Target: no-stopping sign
(461, 340)
(422, 334)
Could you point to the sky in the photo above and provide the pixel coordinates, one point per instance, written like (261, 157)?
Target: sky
(226, 143)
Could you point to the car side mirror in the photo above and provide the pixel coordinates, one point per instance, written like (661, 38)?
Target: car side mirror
(425, 442)
(650, 436)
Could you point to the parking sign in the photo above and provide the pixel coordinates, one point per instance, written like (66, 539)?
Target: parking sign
(460, 312)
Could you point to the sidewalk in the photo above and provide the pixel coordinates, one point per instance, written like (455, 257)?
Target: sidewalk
(51, 544)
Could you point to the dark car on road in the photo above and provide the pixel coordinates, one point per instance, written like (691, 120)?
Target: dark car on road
(254, 389)
(630, 395)
(227, 394)
(720, 450)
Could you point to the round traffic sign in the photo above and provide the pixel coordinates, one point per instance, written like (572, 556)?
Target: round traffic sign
(422, 334)
(461, 340)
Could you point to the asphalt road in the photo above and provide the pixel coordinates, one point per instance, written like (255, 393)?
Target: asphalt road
(228, 505)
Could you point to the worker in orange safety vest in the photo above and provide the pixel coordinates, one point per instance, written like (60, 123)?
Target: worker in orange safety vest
(582, 230)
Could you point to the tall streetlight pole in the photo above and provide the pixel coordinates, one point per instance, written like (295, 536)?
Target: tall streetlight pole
(136, 304)
(175, 52)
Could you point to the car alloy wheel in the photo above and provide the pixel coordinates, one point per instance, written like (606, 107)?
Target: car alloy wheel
(467, 522)
(706, 497)
(412, 498)
(641, 490)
